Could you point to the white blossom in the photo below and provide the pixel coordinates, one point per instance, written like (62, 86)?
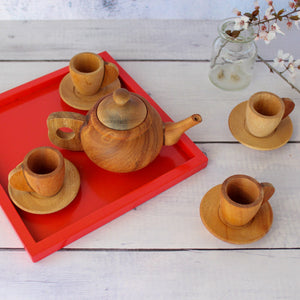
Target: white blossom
(293, 66)
(285, 62)
(241, 23)
(271, 35)
(276, 28)
(281, 57)
(268, 13)
(262, 35)
(297, 63)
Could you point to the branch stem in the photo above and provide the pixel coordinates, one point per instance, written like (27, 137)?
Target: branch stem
(274, 18)
(278, 73)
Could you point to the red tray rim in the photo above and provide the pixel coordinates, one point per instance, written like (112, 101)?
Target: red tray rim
(70, 233)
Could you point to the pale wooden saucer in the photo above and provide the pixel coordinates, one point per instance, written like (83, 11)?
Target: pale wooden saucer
(275, 140)
(74, 99)
(35, 204)
(255, 230)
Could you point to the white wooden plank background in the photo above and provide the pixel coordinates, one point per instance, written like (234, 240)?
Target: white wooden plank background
(171, 220)
(188, 92)
(125, 40)
(161, 250)
(124, 9)
(119, 275)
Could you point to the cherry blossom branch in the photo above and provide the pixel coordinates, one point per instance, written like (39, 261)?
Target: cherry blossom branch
(214, 62)
(273, 70)
(267, 26)
(274, 18)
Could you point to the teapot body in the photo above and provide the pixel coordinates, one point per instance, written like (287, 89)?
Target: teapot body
(122, 151)
(122, 133)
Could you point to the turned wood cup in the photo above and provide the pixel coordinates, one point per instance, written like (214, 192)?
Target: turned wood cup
(241, 198)
(265, 111)
(42, 171)
(89, 73)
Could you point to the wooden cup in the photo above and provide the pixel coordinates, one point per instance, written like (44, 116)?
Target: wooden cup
(89, 73)
(241, 198)
(42, 171)
(264, 112)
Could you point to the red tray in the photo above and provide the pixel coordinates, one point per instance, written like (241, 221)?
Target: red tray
(103, 195)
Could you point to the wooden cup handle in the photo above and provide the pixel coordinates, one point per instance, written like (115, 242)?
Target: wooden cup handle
(289, 106)
(268, 191)
(67, 140)
(111, 73)
(17, 179)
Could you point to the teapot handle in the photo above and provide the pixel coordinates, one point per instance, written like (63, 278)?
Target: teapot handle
(58, 121)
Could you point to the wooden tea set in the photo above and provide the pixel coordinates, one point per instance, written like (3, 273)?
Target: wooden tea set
(122, 133)
(238, 211)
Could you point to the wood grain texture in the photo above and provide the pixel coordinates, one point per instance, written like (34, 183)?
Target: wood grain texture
(265, 111)
(240, 200)
(239, 129)
(83, 102)
(213, 218)
(117, 149)
(17, 179)
(122, 151)
(126, 9)
(181, 95)
(173, 131)
(35, 204)
(87, 72)
(161, 249)
(289, 106)
(152, 275)
(70, 140)
(139, 39)
(122, 110)
(162, 222)
(110, 75)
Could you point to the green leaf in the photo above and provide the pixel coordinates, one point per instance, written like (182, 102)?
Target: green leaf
(281, 12)
(294, 18)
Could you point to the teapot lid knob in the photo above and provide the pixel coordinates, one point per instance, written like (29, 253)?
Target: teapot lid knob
(121, 96)
(122, 110)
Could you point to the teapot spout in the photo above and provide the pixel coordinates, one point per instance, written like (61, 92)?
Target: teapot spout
(173, 131)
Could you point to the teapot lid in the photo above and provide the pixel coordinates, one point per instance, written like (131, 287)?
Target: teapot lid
(122, 110)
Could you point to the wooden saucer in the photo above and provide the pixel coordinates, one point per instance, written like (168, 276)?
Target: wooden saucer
(277, 139)
(209, 212)
(35, 204)
(74, 99)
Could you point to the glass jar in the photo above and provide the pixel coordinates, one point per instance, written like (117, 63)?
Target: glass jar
(232, 59)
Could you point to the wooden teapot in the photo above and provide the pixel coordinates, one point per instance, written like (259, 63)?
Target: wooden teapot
(121, 133)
